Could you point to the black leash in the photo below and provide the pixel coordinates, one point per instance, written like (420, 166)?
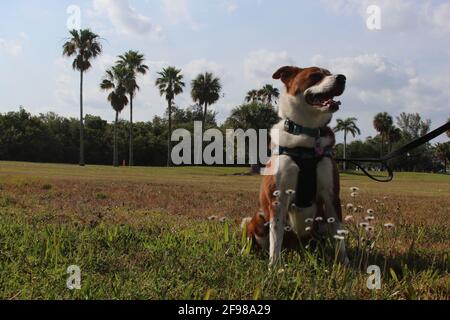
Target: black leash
(397, 153)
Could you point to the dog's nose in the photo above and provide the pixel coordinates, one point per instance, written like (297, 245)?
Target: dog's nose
(341, 78)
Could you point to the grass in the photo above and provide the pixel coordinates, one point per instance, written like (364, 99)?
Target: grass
(144, 233)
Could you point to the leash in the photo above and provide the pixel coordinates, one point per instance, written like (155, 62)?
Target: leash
(397, 153)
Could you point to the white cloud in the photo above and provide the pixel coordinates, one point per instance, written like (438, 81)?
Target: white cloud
(177, 11)
(440, 17)
(368, 71)
(398, 15)
(195, 67)
(231, 5)
(259, 66)
(13, 47)
(125, 19)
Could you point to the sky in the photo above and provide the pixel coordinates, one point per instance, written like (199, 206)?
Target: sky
(401, 65)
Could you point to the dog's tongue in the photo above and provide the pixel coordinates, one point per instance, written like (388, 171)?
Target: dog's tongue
(333, 105)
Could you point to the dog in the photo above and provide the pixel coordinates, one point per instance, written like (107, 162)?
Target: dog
(300, 191)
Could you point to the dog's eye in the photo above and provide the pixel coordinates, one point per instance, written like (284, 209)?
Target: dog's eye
(316, 77)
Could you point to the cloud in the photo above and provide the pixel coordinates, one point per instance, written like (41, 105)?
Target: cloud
(195, 67)
(231, 5)
(13, 47)
(125, 19)
(398, 15)
(368, 71)
(440, 17)
(259, 66)
(177, 11)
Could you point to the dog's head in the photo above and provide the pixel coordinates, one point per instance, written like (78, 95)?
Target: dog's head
(311, 90)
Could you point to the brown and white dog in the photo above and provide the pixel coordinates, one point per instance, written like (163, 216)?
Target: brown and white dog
(307, 102)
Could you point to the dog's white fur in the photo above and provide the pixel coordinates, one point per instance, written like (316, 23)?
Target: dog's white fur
(298, 110)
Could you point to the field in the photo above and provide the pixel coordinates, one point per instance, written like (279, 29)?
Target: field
(150, 233)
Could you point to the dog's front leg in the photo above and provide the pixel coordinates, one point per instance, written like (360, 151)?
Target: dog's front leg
(328, 191)
(286, 180)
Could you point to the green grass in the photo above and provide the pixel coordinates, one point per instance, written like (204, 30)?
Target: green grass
(138, 234)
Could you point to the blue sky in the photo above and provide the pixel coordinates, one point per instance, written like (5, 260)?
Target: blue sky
(404, 67)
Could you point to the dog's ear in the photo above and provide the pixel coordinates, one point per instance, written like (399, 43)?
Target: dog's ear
(286, 73)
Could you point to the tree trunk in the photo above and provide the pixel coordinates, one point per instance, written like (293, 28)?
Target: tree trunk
(382, 144)
(131, 159)
(345, 150)
(169, 138)
(82, 162)
(116, 151)
(205, 114)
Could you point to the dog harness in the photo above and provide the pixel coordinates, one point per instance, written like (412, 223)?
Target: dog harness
(307, 160)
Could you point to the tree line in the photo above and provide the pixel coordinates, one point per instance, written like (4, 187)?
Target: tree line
(391, 136)
(51, 138)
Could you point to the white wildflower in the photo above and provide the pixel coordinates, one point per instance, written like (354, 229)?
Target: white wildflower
(343, 232)
(364, 224)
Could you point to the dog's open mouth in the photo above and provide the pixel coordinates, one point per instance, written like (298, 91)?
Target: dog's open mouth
(323, 101)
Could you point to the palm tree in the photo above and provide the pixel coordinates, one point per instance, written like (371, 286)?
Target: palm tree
(206, 91)
(253, 96)
(117, 81)
(84, 45)
(394, 135)
(448, 131)
(253, 116)
(269, 94)
(443, 153)
(347, 126)
(170, 83)
(383, 122)
(134, 62)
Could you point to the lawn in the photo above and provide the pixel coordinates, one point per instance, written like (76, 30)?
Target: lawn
(149, 233)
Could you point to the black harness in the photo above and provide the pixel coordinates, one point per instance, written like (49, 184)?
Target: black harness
(307, 160)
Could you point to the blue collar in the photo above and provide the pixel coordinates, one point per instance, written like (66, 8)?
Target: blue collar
(295, 129)
(305, 153)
